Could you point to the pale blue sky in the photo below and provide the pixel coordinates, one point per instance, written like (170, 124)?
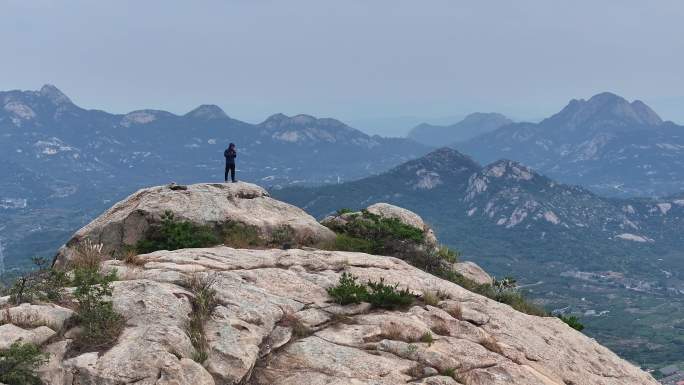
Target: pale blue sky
(357, 60)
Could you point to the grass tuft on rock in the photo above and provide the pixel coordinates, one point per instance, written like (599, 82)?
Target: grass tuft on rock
(203, 304)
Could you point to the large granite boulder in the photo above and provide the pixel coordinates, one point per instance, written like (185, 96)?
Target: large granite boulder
(218, 205)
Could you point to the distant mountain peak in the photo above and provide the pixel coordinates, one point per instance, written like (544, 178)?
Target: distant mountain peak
(207, 112)
(485, 116)
(300, 120)
(472, 125)
(54, 94)
(443, 159)
(275, 119)
(509, 169)
(446, 153)
(605, 108)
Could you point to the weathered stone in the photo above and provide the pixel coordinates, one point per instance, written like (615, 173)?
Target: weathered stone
(439, 380)
(275, 324)
(31, 316)
(474, 272)
(215, 205)
(53, 372)
(10, 334)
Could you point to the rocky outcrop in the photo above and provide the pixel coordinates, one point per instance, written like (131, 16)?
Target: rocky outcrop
(216, 205)
(473, 272)
(407, 217)
(275, 324)
(388, 211)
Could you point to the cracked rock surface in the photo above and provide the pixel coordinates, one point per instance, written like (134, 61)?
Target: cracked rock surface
(484, 342)
(274, 323)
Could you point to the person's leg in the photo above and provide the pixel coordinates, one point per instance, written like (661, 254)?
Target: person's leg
(225, 178)
(232, 172)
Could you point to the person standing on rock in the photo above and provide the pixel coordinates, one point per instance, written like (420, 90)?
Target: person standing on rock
(230, 154)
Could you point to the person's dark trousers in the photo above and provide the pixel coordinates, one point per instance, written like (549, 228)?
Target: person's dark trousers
(230, 168)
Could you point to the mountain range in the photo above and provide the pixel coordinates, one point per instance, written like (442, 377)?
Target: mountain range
(471, 126)
(606, 143)
(597, 256)
(63, 164)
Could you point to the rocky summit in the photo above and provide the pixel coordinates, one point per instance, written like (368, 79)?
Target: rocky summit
(273, 320)
(217, 205)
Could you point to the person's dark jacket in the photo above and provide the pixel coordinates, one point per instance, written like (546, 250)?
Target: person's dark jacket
(230, 155)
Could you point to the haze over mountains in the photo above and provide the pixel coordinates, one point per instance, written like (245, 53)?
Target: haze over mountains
(475, 124)
(63, 165)
(606, 143)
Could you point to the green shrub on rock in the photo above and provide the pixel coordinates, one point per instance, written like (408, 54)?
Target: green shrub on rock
(348, 291)
(374, 234)
(101, 324)
(378, 294)
(571, 321)
(172, 234)
(387, 296)
(19, 363)
(369, 233)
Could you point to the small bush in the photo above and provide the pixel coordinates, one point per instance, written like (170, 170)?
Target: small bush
(427, 338)
(88, 255)
(241, 236)
(101, 324)
(343, 211)
(19, 363)
(446, 254)
(430, 298)
(572, 321)
(348, 291)
(508, 283)
(378, 294)
(283, 236)
(173, 235)
(387, 296)
(455, 310)
(344, 242)
(503, 291)
(203, 304)
(441, 327)
(394, 331)
(43, 283)
(370, 233)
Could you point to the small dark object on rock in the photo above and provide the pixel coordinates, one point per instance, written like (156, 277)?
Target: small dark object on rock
(176, 187)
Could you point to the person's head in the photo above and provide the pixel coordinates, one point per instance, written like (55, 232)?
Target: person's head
(231, 146)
